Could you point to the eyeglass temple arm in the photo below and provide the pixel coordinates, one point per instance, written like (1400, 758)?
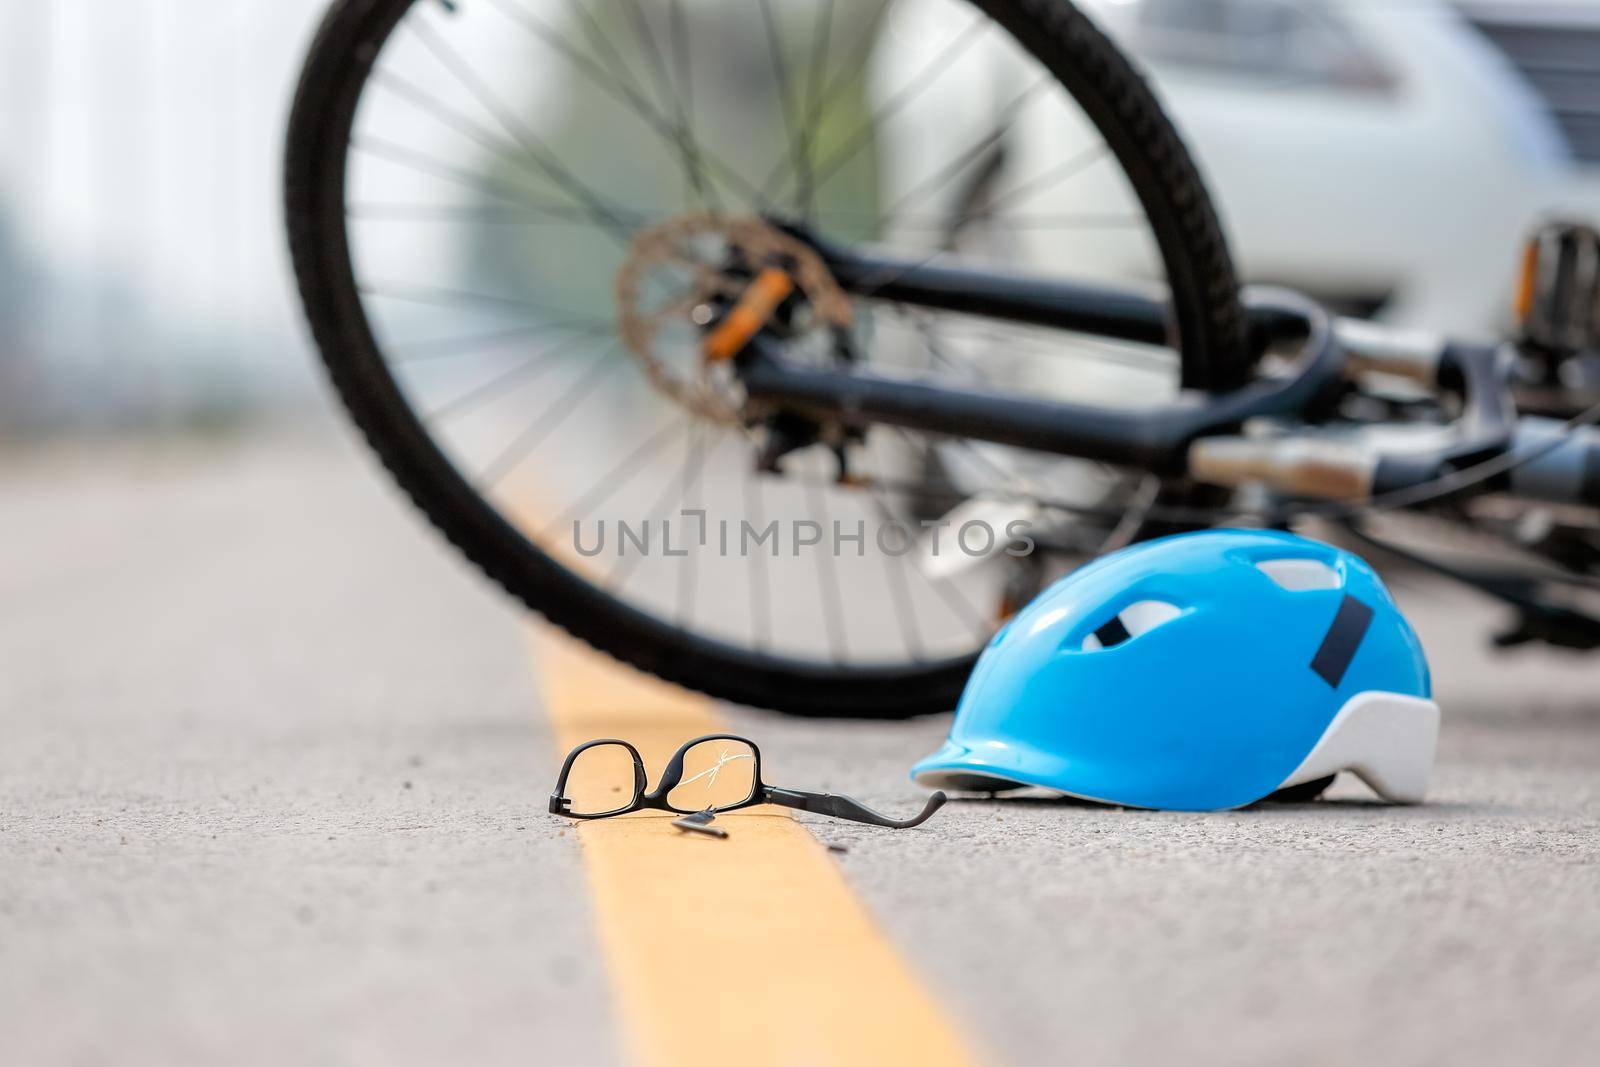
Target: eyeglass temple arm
(844, 808)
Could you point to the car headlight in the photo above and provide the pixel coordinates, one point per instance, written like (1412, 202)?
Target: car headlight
(1271, 43)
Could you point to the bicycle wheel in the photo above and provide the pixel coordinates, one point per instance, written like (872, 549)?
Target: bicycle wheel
(467, 180)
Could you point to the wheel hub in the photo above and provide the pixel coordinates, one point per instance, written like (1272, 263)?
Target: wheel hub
(728, 278)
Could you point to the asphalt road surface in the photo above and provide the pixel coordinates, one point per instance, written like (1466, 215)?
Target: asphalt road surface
(272, 767)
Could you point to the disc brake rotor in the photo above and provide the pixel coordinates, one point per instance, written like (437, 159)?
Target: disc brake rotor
(681, 271)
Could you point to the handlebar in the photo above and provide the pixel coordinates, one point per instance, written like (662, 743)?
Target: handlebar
(1487, 446)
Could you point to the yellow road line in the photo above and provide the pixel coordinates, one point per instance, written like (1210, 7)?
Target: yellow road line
(745, 951)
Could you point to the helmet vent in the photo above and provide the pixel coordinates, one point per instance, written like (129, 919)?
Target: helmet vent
(1300, 575)
(1130, 622)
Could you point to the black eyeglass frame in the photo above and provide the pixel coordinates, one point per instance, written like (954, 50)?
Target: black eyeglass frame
(839, 807)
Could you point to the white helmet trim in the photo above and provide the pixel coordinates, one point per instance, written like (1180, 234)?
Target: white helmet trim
(1385, 739)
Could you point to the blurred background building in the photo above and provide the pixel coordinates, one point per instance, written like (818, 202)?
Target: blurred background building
(142, 270)
(143, 278)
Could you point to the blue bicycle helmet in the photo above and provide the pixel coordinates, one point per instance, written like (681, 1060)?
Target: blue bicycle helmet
(1199, 672)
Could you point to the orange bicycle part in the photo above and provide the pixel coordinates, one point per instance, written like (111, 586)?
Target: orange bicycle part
(1527, 281)
(753, 311)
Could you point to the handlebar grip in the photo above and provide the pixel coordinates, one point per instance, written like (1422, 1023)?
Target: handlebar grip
(1563, 464)
(1545, 460)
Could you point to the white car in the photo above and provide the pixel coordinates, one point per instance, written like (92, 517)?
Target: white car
(1386, 156)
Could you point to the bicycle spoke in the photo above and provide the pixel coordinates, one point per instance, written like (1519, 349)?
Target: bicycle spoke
(532, 146)
(873, 284)
(617, 578)
(780, 69)
(614, 63)
(531, 367)
(613, 481)
(704, 191)
(940, 224)
(682, 136)
(1052, 178)
(557, 412)
(684, 63)
(894, 573)
(900, 99)
(626, 95)
(414, 352)
(465, 127)
(955, 494)
(928, 332)
(429, 294)
(426, 164)
(689, 500)
(828, 580)
(811, 117)
(760, 588)
(941, 178)
(448, 213)
(1062, 345)
(1007, 479)
(772, 185)
(951, 592)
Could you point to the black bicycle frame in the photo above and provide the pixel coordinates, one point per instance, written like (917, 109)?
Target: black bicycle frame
(1157, 439)
(1154, 438)
(1125, 314)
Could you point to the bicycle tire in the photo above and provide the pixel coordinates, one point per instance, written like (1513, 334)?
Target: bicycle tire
(1206, 310)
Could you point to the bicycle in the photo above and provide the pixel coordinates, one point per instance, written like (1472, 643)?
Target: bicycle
(705, 266)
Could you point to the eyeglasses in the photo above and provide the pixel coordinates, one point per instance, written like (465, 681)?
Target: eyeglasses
(711, 774)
